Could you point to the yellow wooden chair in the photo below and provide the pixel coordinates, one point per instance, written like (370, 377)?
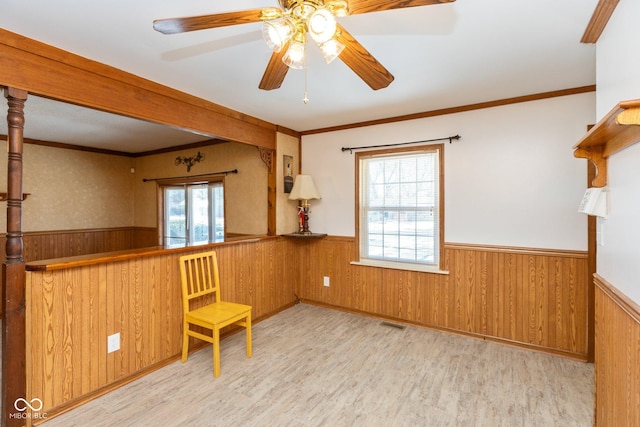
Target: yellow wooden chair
(199, 276)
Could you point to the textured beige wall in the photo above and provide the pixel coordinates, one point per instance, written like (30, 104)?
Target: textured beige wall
(245, 192)
(72, 189)
(286, 212)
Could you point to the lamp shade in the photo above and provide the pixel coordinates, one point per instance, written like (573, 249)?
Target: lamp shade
(277, 33)
(304, 189)
(294, 57)
(321, 25)
(331, 49)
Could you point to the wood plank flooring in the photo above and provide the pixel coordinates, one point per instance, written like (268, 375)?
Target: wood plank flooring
(314, 366)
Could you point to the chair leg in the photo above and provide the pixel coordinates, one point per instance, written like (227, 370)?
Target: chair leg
(216, 352)
(185, 341)
(248, 332)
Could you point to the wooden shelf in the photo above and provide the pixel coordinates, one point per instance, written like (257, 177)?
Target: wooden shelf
(616, 131)
(305, 236)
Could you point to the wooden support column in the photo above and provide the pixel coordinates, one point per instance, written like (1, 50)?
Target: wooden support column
(13, 271)
(269, 158)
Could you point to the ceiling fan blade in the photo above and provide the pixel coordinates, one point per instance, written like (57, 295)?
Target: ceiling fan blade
(203, 22)
(361, 62)
(366, 6)
(276, 71)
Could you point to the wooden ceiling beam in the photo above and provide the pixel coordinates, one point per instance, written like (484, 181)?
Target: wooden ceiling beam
(50, 72)
(599, 20)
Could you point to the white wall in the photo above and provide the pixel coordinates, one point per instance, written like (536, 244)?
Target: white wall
(510, 180)
(618, 79)
(617, 58)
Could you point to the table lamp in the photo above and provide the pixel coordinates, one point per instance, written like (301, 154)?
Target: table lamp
(304, 190)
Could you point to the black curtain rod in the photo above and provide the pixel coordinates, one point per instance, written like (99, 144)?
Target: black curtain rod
(448, 138)
(190, 176)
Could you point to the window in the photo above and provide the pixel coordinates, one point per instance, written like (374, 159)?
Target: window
(193, 213)
(400, 207)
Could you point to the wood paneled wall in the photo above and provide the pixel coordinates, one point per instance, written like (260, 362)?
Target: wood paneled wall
(617, 361)
(531, 298)
(63, 243)
(70, 313)
(534, 298)
(40, 245)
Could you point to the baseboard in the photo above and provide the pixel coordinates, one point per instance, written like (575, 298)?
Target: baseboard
(576, 356)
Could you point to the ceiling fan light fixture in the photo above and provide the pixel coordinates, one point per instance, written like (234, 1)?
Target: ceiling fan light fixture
(302, 9)
(338, 8)
(295, 55)
(277, 33)
(269, 13)
(321, 25)
(331, 49)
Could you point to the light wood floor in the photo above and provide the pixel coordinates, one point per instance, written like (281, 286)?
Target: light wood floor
(313, 366)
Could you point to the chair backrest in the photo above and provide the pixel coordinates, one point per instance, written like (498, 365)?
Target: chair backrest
(199, 276)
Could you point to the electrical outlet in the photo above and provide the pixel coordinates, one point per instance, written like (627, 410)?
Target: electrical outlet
(326, 281)
(113, 342)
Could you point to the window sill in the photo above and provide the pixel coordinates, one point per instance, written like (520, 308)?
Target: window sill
(399, 266)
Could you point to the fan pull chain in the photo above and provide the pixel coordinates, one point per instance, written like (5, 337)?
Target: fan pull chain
(306, 98)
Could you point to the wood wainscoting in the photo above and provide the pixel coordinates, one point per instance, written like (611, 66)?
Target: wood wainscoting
(38, 245)
(617, 358)
(528, 297)
(71, 311)
(64, 243)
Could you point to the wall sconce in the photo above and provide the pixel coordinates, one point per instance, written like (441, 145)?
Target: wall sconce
(304, 189)
(189, 161)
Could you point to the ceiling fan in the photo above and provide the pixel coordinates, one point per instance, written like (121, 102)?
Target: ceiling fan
(285, 31)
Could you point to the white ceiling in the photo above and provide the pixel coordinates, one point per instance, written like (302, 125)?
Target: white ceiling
(442, 56)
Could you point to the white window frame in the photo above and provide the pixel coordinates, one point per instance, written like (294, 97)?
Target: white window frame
(364, 235)
(216, 231)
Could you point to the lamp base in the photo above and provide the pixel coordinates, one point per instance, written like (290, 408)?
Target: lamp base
(303, 212)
